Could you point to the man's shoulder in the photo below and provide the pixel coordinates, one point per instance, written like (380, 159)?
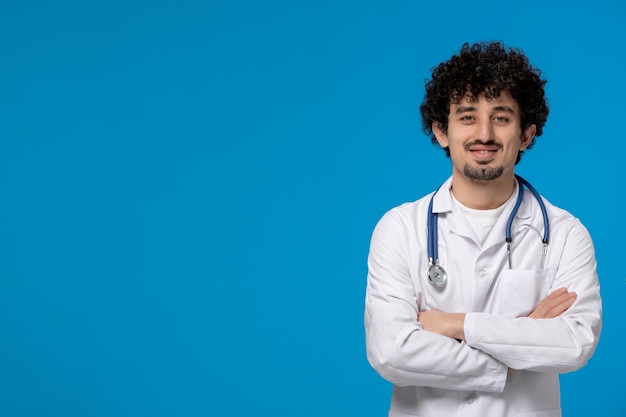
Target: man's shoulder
(410, 207)
(556, 212)
(563, 220)
(408, 213)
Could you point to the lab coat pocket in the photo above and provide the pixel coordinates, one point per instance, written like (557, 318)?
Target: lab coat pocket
(518, 291)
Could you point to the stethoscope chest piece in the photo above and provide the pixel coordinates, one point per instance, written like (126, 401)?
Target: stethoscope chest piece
(437, 275)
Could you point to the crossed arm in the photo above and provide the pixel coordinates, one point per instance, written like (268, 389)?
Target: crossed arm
(452, 324)
(409, 347)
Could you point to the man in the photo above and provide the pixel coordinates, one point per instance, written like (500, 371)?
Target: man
(505, 299)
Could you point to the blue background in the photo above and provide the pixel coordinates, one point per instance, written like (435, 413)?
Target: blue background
(187, 192)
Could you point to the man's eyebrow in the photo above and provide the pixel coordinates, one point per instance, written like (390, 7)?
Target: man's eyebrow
(465, 109)
(504, 109)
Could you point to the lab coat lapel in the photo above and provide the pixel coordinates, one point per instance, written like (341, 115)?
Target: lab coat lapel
(457, 221)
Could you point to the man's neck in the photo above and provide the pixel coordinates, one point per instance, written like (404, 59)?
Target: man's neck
(482, 195)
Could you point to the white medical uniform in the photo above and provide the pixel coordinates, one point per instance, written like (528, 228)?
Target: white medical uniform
(437, 376)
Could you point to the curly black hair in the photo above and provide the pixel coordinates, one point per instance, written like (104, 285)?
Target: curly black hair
(485, 68)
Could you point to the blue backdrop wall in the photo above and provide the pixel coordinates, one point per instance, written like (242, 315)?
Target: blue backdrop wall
(187, 192)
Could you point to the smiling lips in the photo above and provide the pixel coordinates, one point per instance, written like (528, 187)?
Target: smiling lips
(483, 152)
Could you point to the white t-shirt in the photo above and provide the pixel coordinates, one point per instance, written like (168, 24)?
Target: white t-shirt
(481, 220)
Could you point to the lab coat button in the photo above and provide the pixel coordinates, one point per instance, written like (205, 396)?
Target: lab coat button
(471, 398)
(482, 274)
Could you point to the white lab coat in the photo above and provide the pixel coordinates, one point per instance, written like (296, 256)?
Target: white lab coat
(436, 376)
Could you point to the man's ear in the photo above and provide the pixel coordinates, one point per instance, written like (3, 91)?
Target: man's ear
(441, 136)
(527, 136)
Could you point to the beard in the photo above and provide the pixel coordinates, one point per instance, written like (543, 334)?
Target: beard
(482, 174)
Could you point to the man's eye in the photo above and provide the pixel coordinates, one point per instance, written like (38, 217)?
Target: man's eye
(467, 118)
(501, 119)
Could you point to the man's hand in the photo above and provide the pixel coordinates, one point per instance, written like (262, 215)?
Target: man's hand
(554, 304)
(445, 324)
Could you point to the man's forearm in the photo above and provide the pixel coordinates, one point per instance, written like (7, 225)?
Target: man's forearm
(446, 324)
(453, 324)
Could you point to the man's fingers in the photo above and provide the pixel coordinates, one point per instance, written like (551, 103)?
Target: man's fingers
(564, 303)
(554, 304)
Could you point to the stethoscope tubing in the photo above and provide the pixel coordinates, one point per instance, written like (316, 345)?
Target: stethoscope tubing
(432, 230)
(542, 206)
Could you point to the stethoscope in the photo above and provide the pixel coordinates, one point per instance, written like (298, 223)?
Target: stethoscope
(438, 276)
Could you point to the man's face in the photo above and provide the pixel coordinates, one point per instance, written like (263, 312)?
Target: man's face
(484, 136)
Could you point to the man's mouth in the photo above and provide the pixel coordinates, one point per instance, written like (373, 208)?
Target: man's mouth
(482, 151)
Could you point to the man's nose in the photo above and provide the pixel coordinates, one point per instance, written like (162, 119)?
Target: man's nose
(484, 130)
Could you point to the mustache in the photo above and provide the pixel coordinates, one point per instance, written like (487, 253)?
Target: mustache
(484, 143)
